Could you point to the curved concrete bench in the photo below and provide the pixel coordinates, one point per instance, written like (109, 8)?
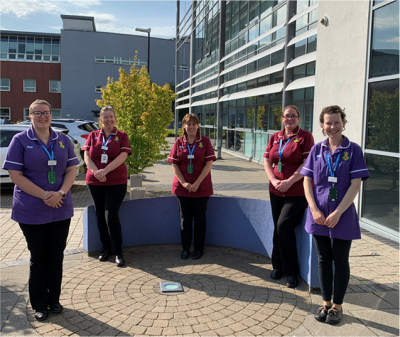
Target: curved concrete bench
(232, 222)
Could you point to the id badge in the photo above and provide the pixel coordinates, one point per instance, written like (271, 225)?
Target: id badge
(104, 158)
(332, 180)
(279, 166)
(190, 156)
(333, 194)
(104, 148)
(51, 175)
(190, 168)
(52, 162)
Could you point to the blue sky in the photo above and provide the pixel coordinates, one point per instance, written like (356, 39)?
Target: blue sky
(110, 16)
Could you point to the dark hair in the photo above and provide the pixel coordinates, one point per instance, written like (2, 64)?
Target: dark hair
(191, 117)
(39, 101)
(291, 107)
(329, 110)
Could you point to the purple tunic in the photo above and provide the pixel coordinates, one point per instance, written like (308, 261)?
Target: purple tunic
(351, 166)
(26, 154)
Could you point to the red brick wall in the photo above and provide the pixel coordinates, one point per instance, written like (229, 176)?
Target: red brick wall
(16, 98)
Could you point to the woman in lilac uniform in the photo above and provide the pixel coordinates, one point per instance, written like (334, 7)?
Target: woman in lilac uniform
(42, 165)
(336, 166)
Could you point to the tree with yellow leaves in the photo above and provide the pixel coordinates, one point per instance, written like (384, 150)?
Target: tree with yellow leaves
(143, 111)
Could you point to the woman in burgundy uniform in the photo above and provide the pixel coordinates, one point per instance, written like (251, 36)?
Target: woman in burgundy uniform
(106, 178)
(285, 155)
(192, 157)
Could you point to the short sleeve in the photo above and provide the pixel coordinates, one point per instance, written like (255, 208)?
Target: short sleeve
(308, 144)
(125, 146)
(358, 167)
(173, 155)
(15, 155)
(269, 146)
(210, 155)
(308, 167)
(72, 159)
(88, 143)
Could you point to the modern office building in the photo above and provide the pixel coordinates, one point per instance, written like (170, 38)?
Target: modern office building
(251, 58)
(30, 68)
(68, 69)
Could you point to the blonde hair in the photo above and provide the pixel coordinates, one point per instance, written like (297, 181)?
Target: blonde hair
(39, 101)
(103, 110)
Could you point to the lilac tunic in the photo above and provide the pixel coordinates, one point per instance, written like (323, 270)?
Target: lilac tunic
(351, 166)
(26, 154)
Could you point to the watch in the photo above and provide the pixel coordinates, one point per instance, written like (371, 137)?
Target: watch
(62, 193)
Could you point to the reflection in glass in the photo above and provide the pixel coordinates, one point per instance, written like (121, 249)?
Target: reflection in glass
(383, 116)
(250, 118)
(385, 41)
(262, 118)
(381, 191)
(240, 118)
(261, 145)
(275, 117)
(248, 144)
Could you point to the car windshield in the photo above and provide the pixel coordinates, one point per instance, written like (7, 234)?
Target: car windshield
(88, 127)
(6, 137)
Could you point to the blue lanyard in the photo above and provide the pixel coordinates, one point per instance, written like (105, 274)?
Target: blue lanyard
(104, 141)
(51, 156)
(190, 152)
(328, 161)
(280, 151)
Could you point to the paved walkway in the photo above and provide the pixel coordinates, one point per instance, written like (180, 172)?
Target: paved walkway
(227, 291)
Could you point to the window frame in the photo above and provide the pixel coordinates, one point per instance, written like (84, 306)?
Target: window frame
(9, 84)
(54, 92)
(9, 112)
(24, 86)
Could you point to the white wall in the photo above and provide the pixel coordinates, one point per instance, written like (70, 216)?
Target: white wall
(341, 63)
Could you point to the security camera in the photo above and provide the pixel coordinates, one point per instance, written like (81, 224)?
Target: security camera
(324, 21)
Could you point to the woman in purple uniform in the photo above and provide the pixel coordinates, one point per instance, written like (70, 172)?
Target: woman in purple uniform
(336, 166)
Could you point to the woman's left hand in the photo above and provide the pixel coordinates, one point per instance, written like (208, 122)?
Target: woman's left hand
(332, 220)
(284, 186)
(54, 199)
(100, 174)
(195, 187)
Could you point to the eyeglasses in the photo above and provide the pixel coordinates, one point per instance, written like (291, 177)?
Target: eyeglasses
(40, 113)
(292, 116)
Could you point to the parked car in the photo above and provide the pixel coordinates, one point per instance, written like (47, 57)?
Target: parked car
(78, 128)
(7, 132)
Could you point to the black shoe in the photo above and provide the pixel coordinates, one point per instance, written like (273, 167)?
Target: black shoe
(322, 313)
(56, 308)
(185, 255)
(334, 316)
(276, 274)
(41, 315)
(292, 281)
(105, 254)
(197, 254)
(119, 260)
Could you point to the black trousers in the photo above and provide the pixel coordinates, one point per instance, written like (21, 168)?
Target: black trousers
(46, 244)
(287, 213)
(107, 202)
(193, 208)
(337, 252)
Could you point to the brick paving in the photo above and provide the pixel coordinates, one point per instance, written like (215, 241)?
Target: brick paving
(227, 291)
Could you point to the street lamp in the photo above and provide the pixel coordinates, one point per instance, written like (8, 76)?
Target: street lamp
(148, 31)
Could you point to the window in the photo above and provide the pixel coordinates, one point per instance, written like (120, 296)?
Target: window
(26, 114)
(5, 84)
(5, 113)
(98, 88)
(29, 85)
(55, 113)
(55, 86)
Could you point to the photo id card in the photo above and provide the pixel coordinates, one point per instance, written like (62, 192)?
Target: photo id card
(190, 168)
(190, 156)
(104, 148)
(52, 162)
(51, 175)
(332, 179)
(104, 158)
(333, 194)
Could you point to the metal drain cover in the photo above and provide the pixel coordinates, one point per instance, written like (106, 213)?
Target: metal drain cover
(168, 287)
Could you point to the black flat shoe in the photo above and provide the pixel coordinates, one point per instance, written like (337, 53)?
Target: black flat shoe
(292, 281)
(322, 313)
(105, 255)
(334, 316)
(276, 274)
(41, 315)
(119, 260)
(197, 254)
(185, 255)
(56, 308)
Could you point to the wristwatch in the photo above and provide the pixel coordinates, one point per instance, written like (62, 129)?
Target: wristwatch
(62, 193)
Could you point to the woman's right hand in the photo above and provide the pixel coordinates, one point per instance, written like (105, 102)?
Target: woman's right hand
(318, 216)
(188, 186)
(53, 199)
(276, 183)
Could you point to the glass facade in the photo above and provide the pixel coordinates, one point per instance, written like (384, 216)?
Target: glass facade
(31, 49)
(244, 81)
(380, 194)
